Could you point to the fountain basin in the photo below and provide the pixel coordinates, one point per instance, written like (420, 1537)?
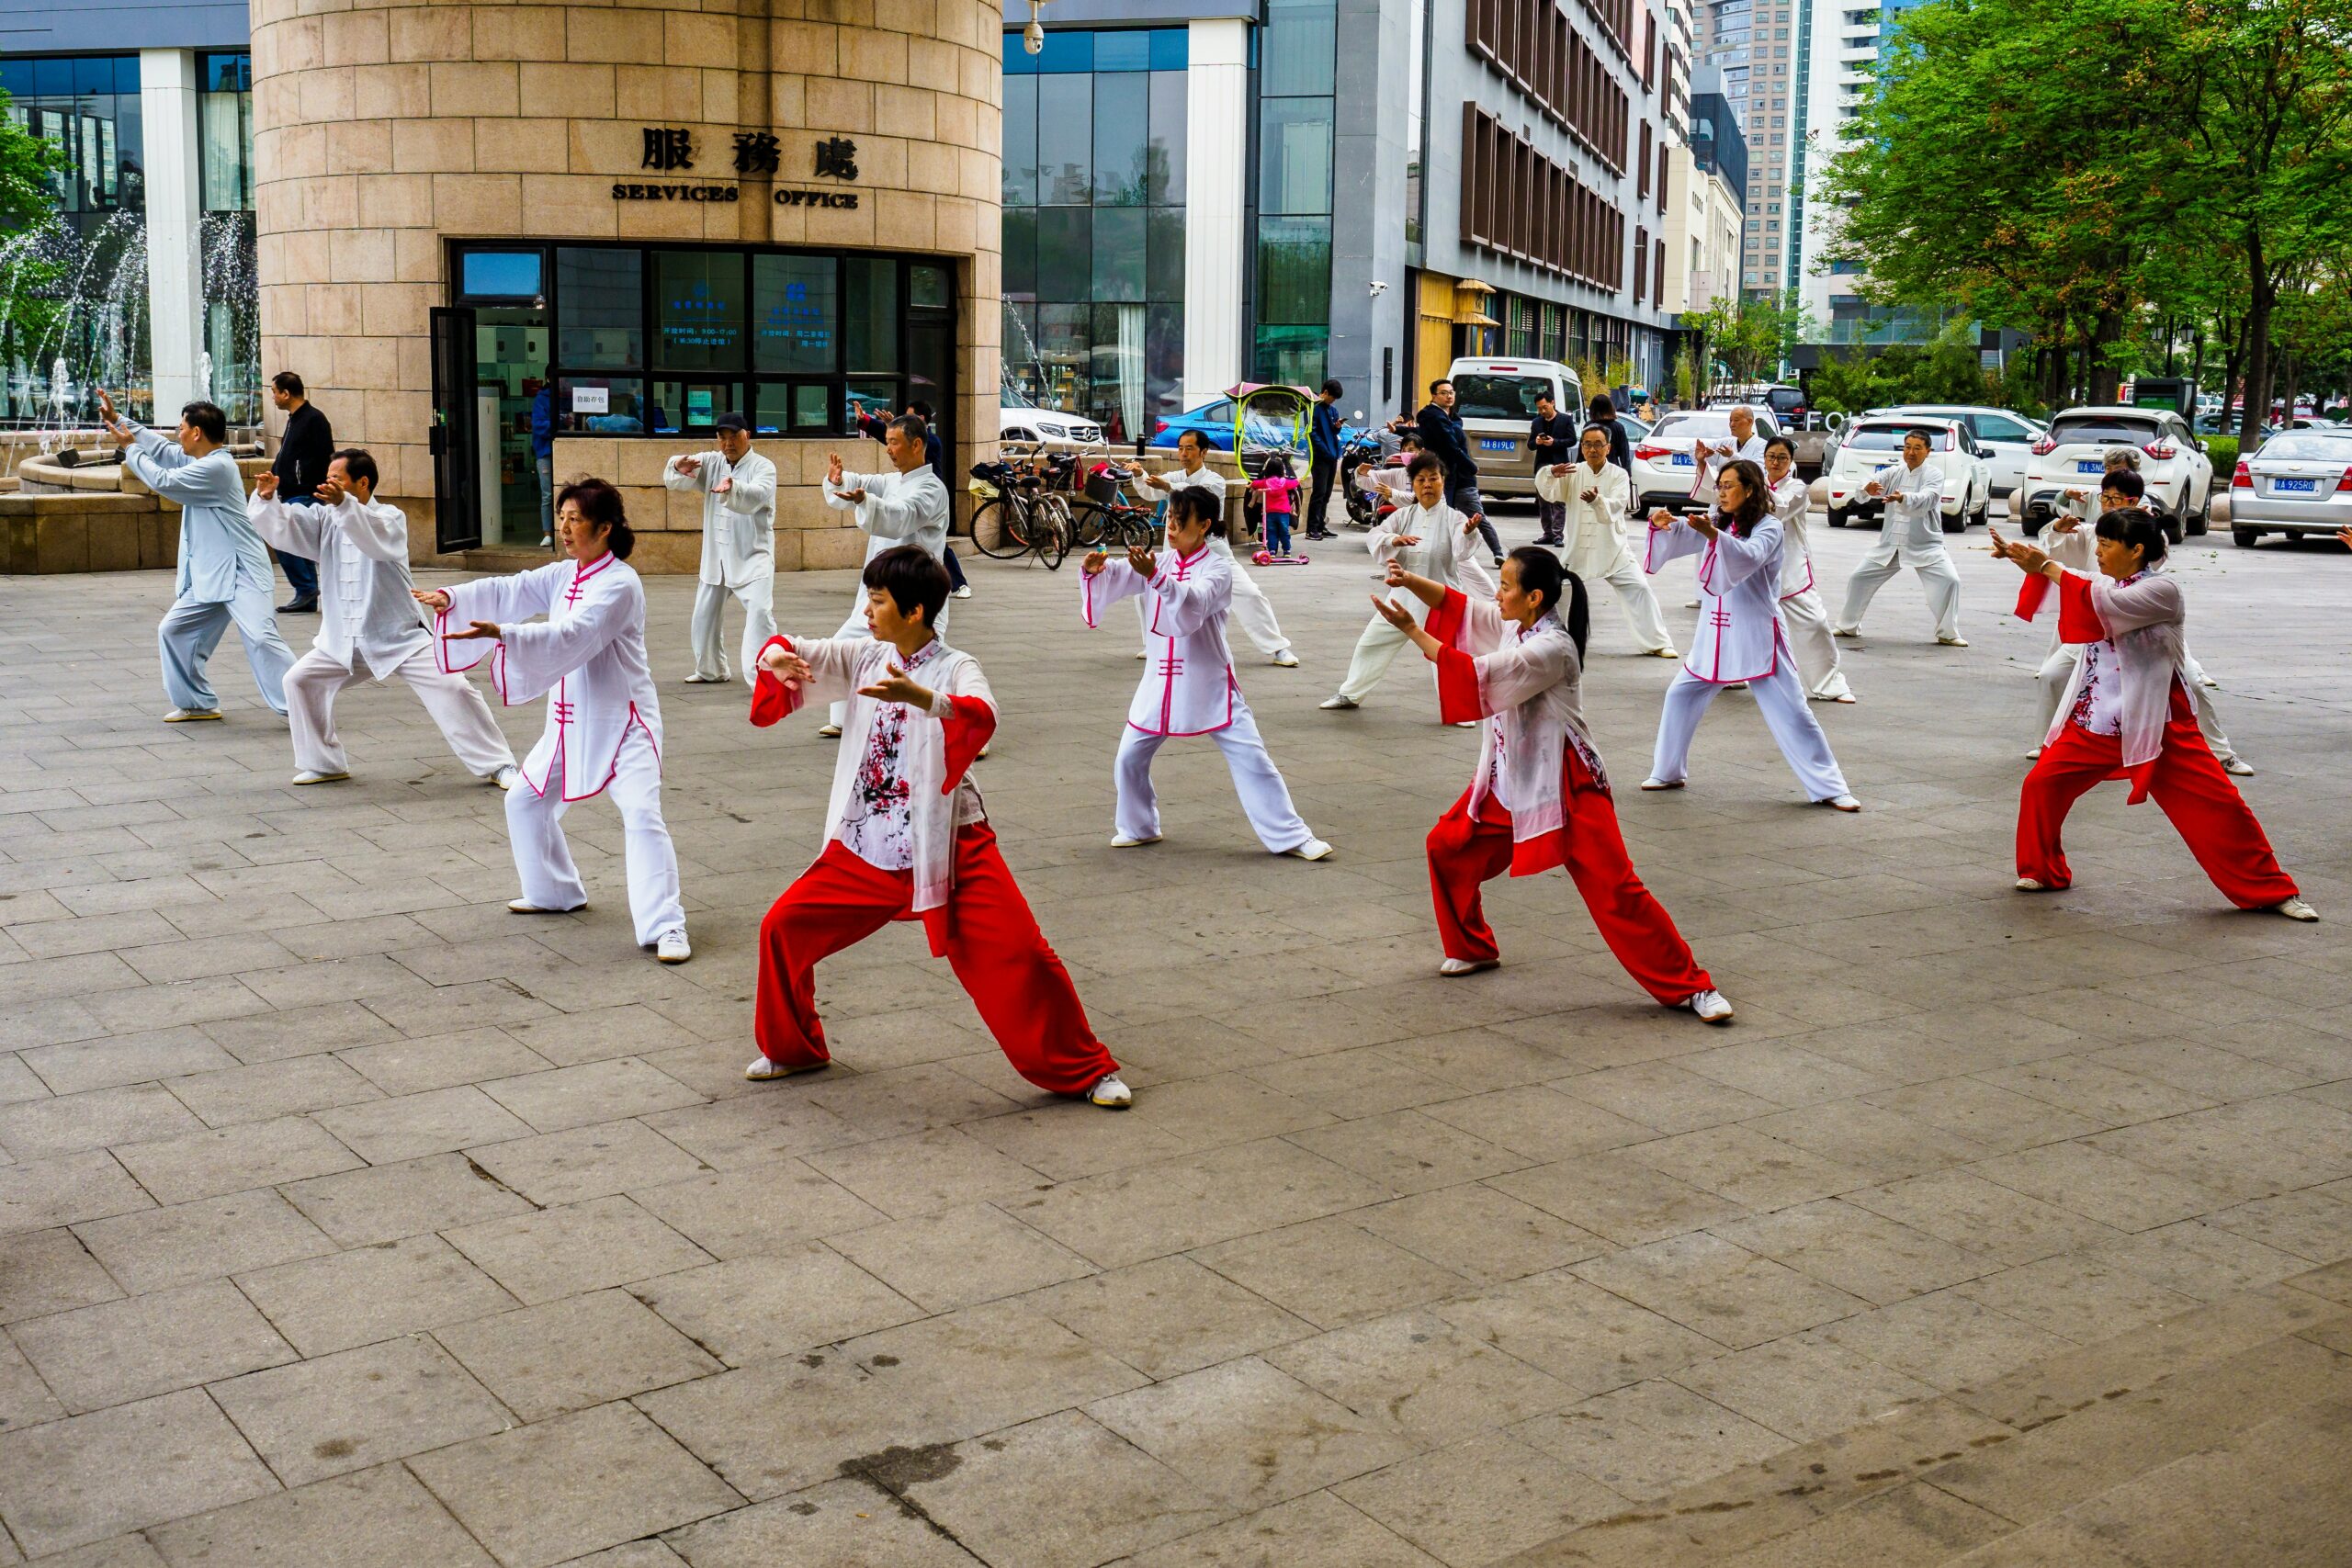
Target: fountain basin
(94, 519)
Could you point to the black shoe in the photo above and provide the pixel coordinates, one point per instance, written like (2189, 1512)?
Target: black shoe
(307, 604)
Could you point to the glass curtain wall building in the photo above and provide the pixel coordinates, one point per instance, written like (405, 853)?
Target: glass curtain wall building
(1296, 64)
(225, 167)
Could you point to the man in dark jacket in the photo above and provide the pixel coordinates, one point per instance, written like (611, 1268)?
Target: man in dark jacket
(1440, 429)
(302, 454)
(1323, 459)
(1603, 412)
(1552, 439)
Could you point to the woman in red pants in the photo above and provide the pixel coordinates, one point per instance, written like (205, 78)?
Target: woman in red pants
(2128, 714)
(906, 839)
(1540, 797)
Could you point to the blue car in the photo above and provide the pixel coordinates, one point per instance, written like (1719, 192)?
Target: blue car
(1213, 423)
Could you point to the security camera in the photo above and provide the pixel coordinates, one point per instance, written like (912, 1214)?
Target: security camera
(1033, 38)
(1378, 288)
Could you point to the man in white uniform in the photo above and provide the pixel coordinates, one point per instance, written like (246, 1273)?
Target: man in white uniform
(1912, 536)
(738, 490)
(1802, 612)
(368, 623)
(1252, 611)
(905, 506)
(1594, 496)
(1432, 540)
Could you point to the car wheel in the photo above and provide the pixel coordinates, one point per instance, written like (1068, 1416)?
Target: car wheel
(1839, 518)
(2245, 538)
(2173, 529)
(2201, 521)
(1958, 522)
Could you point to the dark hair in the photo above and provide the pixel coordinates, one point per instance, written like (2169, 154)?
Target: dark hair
(1927, 437)
(2129, 526)
(1199, 505)
(1441, 382)
(1540, 571)
(1601, 407)
(1596, 427)
(601, 505)
(1751, 511)
(912, 427)
(209, 422)
(913, 579)
(1545, 396)
(1783, 441)
(921, 411)
(1196, 435)
(1333, 387)
(358, 465)
(2124, 482)
(1423, 463)
(1410, 438)
(288, 382)
(1276, 465)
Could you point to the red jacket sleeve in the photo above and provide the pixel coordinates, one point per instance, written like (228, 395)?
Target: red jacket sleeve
(771, 698)
(1457, 672)
(968, 728)
(2077, 614)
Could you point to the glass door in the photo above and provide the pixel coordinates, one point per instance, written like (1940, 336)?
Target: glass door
(511, 358)
(457, 494)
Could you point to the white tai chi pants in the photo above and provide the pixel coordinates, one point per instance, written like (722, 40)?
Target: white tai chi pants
(1816, 651)
(1251, 610)
(1781, 702)
(1634, 597)
(191, 629)
(855, 626)
(1256, 780)
(455, 706)
(1375, 651)
(543, 860)
(758, 599)
(2058, 670)
(1891, 554)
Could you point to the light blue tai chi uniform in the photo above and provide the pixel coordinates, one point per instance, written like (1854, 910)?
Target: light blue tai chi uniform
(225, 574)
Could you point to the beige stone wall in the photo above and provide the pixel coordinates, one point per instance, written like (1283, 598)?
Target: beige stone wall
(384, 127)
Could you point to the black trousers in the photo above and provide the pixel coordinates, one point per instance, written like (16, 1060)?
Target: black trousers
(1322, 470)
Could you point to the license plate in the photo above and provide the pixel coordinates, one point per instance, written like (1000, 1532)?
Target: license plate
(1682, 459)
(2091, 468)
(1493, 446)
(2294, 487)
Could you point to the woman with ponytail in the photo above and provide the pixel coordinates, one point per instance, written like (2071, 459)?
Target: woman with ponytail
(1540, 797)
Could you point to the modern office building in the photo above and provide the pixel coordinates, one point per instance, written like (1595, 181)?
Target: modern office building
(1706, 202)
(1761, 47)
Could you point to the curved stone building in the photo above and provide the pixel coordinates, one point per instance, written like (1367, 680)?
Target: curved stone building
(621, 221)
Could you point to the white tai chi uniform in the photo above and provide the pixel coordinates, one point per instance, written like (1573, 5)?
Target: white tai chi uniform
(1912, 536)
(1702, 483)
(1448, 552)
(225, 574)
(1739, 637)
(1802, 611)
(1252, 611)
(603, 725)
(1188, 688)
(898, 509)
(738, 555)
(1597, 544)
(2077, 550)
(368, 622)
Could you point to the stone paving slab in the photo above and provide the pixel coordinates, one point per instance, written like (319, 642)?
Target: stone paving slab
(344, 1218)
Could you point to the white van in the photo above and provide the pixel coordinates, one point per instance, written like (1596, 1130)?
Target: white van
(1496, 400)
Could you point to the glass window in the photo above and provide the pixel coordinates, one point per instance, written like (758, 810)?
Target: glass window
(1170, 48)
(1118, 253)
(1295, 270)
(1019, 275)
(1164, 158)
(1300, 43)
(1020, 140)
(876, 397)
(1064, 140)
(931, 361)
(499, 275)
(682, 406)
(600, 308)
(699, 309)
(870, 313)
(797, 313)
(800, 408)
(929, 287)
(1122, 136)
(623, 400)
(1121, 51)
(1295, 155)
(1065, 252)
(1164, 258)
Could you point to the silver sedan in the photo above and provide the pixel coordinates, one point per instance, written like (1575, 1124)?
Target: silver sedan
(2299, 481)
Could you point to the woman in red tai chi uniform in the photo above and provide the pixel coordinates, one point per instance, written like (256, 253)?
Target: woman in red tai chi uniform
(2127, 714)
(1540, 797)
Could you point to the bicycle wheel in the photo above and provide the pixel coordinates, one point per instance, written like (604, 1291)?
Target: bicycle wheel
(1091, 523)
(1053, 533)
(1000, 528)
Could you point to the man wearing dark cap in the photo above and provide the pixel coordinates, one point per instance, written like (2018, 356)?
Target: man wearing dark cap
(738, 490)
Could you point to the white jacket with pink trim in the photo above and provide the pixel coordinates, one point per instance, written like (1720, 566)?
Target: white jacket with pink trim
(1740, 636)
(1188, 687)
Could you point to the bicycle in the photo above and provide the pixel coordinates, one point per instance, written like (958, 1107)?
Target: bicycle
(1105, 518)
(1025, 517)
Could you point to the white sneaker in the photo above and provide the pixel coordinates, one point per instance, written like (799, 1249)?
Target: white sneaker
(1457, 967)
(1667, 652)
(828, 732)
(507, 777)
(2028, 885)
(2296, 910)
(191, 715)
(1691, 603)
(1843, 698)
(1285, 660)
(1845, 631)
(1314, 849)
(963, 593)
(1842, 803)
(1661, 783)
(1141, 654)
(2237, 766)
(1123, 842)
(1337, 701)
(699, 678)
(1953, 641)
(312, 776)
(1465, 724)
(1710, 1007)
(2034, 755)
(673, 948)
(1111, 1093)
(762, 1069)
(524, 906)
(547, 541)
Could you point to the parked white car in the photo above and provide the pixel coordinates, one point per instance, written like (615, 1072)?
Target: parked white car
(2299, 482)
(1874, 443)
(2005, 436)
(1663, 471)
(1025, 421)
(2073, 454)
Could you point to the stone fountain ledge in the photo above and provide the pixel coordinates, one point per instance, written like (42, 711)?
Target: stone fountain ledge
(90, 519)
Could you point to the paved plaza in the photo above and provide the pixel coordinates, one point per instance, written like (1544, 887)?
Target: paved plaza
(346, 1218)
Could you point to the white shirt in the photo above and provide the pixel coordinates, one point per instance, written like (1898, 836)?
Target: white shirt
(1740, 636)
(877, 819)
(739, 528)
(1597, 545)
(1188, 686)
(1710, 466)
(898, 509)
(1790, 501)
(1915, 500)
(1446, 553)
(365, 609)
(1209, 479)
(1523, 683)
